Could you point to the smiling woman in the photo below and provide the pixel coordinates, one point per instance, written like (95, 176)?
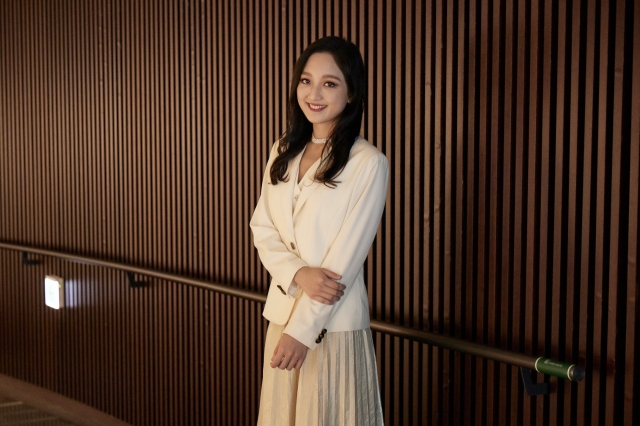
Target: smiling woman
(343, 62)
(322, 93)
(322, 198)
(322, 96)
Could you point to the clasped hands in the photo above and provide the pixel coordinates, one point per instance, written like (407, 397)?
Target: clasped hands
(320, 284)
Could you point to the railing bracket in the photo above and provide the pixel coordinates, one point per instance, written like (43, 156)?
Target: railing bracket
(532, 389)
(26, 260)
(132, 281)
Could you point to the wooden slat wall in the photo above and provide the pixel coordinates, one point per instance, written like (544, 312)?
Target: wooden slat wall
(138, 132)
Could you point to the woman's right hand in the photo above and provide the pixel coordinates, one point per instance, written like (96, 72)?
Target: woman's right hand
(320, 284)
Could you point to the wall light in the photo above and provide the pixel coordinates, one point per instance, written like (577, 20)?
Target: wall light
(54, 291)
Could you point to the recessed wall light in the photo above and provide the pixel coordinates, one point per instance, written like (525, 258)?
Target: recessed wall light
(54, 291)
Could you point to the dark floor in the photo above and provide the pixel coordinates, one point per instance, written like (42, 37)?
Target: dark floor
(14, 412)
(22, 403)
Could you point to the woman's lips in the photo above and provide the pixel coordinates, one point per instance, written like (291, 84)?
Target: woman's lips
(316, 108)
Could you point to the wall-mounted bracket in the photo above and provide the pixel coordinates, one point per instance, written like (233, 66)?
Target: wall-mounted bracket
(26, 260)
(132, 282)
(532, 389)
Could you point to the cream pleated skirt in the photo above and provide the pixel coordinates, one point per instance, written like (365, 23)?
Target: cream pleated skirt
(337, 384)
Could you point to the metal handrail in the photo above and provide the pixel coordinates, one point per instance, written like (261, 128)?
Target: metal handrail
(526, 363)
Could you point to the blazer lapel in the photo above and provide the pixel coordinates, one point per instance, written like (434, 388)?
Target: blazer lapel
(285, 195)
(308, 186)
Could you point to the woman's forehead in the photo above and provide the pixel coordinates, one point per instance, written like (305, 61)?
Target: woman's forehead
(322, 64)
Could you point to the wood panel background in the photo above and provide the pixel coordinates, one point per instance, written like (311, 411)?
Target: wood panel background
(138, 131)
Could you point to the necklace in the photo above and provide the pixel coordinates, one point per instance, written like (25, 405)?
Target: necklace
(318, 140)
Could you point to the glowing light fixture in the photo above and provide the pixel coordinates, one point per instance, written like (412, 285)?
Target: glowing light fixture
(54, 291)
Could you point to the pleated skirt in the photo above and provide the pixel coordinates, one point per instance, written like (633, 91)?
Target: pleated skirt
(337, 384)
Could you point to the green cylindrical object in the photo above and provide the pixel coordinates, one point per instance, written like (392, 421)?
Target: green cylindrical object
(559, 369)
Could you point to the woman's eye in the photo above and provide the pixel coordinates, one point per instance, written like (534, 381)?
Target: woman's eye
(330, 84)
(304, 80)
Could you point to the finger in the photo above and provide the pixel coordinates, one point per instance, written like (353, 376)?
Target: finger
(326, 299)
(283, 364)
(274, 363)
(335, 285)
(331, 294)
(331, 274)
(275, 351)
(276, 359)
(334, 292)
(292, 363)
(301, 360)
(284, 360)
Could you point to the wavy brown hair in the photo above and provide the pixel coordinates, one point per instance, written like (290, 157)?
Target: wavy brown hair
(347, 127)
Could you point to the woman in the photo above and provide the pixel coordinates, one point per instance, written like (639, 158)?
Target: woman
(322, 199)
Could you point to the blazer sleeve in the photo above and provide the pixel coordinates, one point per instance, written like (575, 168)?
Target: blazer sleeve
(348, 251)
(275, 255)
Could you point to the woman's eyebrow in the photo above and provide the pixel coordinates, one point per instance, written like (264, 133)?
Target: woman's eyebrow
(325, 76)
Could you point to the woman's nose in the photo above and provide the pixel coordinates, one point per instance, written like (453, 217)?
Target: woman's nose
(315, 92)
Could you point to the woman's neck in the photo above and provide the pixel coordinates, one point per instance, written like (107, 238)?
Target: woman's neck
(322, 131)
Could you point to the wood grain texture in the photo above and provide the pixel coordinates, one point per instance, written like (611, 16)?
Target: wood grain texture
(139, 131)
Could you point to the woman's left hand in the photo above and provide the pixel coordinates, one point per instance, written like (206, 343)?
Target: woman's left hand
(289, 353)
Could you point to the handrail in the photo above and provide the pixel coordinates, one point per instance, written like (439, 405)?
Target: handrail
(525, 362)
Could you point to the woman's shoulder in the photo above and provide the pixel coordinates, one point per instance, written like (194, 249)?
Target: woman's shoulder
(273, 151)
(274, 146)
(365, 151)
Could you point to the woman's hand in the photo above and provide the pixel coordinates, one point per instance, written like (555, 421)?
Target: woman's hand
(320, 284)
(289, 353)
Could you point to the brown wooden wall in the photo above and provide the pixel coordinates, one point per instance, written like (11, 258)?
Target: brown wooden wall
(138, 131)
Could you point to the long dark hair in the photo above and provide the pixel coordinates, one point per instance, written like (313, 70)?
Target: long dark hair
(347, 127)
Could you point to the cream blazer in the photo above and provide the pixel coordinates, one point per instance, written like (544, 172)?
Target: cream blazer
(332, 228)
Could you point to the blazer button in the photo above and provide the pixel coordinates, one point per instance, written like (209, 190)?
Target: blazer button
(282, 290)
(293, 246)
(318, 340)
(324, 331)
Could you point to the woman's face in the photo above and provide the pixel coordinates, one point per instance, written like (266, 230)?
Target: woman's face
(322, 92)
